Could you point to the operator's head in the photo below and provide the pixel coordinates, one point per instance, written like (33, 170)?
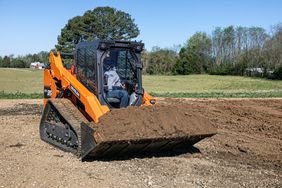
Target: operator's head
(109, 64)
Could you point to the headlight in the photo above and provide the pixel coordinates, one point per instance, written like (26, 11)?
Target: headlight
(153, 101)
(103, 46)
(139, 47)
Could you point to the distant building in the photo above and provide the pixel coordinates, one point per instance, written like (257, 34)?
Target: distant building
(254, 72)
(258, 72)
(37, 65)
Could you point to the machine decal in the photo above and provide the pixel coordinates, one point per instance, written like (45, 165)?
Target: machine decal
(74, 91)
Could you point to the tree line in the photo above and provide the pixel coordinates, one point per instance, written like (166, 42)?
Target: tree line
(227, 51)
(23, 61)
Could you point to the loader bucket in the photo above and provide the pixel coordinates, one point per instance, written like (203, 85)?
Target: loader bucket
(101, 148)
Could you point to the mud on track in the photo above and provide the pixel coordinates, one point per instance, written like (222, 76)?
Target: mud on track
(246, 152)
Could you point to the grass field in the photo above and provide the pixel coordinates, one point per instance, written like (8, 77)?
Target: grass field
(25, 83)
(211, 86)
(21, 80)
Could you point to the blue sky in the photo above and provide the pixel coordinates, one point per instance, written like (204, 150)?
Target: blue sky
(28, 26)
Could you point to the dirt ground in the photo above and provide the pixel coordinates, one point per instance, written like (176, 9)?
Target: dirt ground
(246, 152)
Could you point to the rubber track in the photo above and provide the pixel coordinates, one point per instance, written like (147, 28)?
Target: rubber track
(72, 115)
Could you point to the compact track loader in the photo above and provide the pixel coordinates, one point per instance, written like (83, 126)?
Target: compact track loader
(75, 99)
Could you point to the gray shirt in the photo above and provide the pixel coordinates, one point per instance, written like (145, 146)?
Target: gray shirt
(112, 79)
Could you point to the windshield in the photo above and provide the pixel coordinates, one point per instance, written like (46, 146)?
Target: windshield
(123, 61)
(120, 77)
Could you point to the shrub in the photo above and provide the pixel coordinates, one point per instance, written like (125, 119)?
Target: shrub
(277, 74)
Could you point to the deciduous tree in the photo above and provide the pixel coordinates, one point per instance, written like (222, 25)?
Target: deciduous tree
(99, 23)
(195, 56)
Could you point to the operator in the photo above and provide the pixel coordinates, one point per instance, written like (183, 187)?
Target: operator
(115, 88)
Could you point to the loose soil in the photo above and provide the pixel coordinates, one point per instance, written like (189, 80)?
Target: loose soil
(245, 152)
(169, 121)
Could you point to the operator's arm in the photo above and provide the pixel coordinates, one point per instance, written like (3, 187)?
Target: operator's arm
(108, 80)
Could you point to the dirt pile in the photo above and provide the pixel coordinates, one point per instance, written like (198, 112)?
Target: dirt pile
(249, 130)
(153, 122)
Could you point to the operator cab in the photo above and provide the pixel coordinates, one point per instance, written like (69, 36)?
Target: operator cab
(120, 78)
(111, 70)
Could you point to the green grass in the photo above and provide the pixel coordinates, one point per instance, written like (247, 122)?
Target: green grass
(25, 83)
(19, 95)
(21, 81)
(211, 86)
(220, 95)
